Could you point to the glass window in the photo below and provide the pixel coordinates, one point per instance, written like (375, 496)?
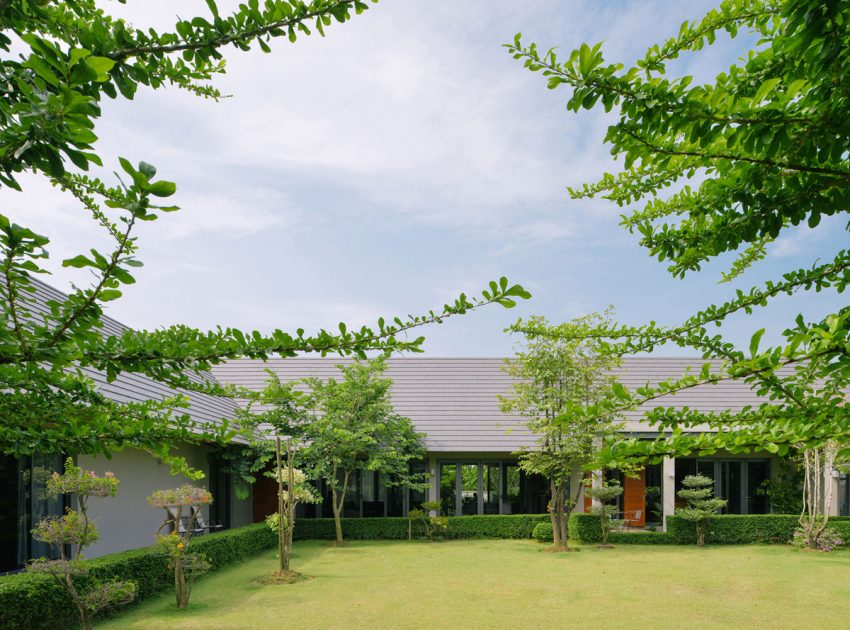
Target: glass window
(373, 494)
(469, 489)
(417, 497)
(351, 505)
(491, 485)
(757, 473)
(511, 489)
(448, 489)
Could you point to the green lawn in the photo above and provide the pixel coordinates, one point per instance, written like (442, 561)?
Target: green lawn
(515, 584)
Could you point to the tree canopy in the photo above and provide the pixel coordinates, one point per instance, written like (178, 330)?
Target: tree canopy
(355, 428)
(559, 373)
(58, 62)
(718, 171)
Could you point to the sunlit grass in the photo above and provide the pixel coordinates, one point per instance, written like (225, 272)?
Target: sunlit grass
(515, 584)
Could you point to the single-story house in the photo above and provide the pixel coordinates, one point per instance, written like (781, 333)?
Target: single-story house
(470, 444)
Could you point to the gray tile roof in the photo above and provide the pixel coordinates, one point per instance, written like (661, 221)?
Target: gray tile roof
(454, 401)
(129, 387)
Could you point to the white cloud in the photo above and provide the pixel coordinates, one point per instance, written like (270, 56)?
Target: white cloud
(240, 213)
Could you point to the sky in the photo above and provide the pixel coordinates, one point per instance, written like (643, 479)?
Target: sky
(387, 167)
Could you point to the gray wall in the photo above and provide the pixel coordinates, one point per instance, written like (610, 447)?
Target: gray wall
(126, 521)
(241, 510)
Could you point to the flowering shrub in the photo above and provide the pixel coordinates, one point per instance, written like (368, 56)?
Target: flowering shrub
(827, 540)
(74, 529)
(182, 496)
(84, 482)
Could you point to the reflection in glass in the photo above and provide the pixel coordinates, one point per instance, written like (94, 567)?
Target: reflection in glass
(469, 489)
(448, 489)
(491, 484)
(511, 489)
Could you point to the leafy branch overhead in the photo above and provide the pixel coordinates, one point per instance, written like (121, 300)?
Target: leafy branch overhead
(58, 61)
(721, 170)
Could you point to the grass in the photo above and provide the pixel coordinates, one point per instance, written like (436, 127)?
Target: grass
(515, 584)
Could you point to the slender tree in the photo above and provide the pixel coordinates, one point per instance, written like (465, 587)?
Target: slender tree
(556, 379)
(292, 488)
(356, 429)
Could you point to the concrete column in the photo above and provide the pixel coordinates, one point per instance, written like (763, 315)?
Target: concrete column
(434, 489)
(668, 485)
(577, 480)
(830, 489)
(596, 482)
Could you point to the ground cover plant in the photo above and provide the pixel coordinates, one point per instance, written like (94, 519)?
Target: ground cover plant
(497, 584)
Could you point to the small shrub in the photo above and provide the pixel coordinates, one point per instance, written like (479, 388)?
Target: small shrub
(607, 492)
(542, 532)
(698, 491)
(827, 540)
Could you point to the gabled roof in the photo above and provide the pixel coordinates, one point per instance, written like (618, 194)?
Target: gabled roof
(130, 387)
(454, 401)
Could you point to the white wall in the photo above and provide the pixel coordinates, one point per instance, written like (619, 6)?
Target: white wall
(127, 521)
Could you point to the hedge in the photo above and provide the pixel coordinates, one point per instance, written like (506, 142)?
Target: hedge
(746, 529)
(585, 528)
(395, 528)
(35, 602)
(723, 529)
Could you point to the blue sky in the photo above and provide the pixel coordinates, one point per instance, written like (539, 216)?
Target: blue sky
(387, 167)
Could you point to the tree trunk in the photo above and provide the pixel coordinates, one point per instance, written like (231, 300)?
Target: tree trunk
(565, 536)
(560, 535)
(85, 618)
(553, 513)
(281, 514)
(290, 505)
(180, 584)
(338, 499)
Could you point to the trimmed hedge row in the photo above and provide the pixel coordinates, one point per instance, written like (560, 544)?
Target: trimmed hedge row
(723, 529)
(36, 602)
(746, 529)
(585, 528)
(395, 528)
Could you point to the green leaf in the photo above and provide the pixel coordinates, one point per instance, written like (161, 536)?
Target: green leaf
(162, 189)
(149, 170)
(79, 262)
(754, 342)
(101, 65)
(764, 88)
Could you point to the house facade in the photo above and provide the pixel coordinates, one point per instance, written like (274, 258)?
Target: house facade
(471, 454)
(472, 445)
